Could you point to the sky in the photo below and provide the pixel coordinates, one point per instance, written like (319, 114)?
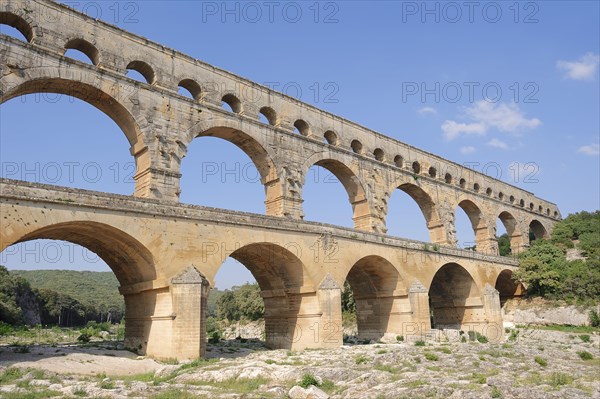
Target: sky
(514, 84)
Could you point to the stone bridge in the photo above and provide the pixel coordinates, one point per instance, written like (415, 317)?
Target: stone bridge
(164, 253)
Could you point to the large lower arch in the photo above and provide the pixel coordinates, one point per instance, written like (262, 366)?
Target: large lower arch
(261, 159)
(357, 196)
(129, 259)
(453, 297)
(483, 241)
(288, 292)
(507, 287)
(377, 288)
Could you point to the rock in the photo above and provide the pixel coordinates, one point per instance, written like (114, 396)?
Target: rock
(279, 392)
(104, 334)
(311, 392)
(165, 370)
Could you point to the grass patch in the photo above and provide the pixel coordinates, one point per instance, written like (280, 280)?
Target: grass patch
(541, 361)
(431, 356)
(10, 374)
(419, 343)
(444, 349)
(415, 383)
(585, 355)
(585, 338)
(478, 378)
(559, 379)
(567, 329)
(381, 351)
(386, 367)
(174, 394)
(361, 359)
(42, 394)
(235, 385)
(307, 380)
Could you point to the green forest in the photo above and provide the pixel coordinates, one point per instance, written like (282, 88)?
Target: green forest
(72, 298)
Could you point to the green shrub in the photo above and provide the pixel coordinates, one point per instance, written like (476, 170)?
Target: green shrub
(84, 337)
(400, 338)
(584, 355)
(361, 359)
(481, 338)
(541, 361)
(419, 343)
(594, 319)
(431, 356)
(585, 338)
(559, 379)
(496, 393)
(307, 380)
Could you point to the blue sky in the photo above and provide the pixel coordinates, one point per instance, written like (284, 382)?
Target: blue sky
(514, 84)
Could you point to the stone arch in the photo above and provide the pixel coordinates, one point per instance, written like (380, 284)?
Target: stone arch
(255, 151)
(129, 259)
(512, 230)
(375, 283)
(144, 69)
(538, 230)
(106, 102)
(507, 286)
(270, 115)
(192, 87)
(286, 287)
(437, 230)
(480, 227)
(86, 48)
(452, 293)
(357, 195)
(19, 23)
(234, 103)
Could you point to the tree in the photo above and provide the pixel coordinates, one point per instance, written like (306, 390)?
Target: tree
(348, 303)
(504, 245)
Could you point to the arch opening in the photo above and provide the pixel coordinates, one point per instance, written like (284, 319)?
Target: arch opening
(285, 288)
(478, 240)
(318, 185)
(379, 154)
(415, 217)
(190, 88)
(49, 159)
(142, 68)
(231, 103)
(416, 167)
(508, 234)
(399, 161)
(453, 297)
(82, 50)
(356, 146)
(302, 127)
(25, 31)
(537, 231)
(331, 137)
(375, 285)
(268, 116)
(508, 287)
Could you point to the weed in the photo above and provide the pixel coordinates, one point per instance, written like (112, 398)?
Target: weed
(419, 343)
(307, 380)
(585, 338)
(584, 355)
(431, 356)
(361, 359)
(400, 338)
(541, 361)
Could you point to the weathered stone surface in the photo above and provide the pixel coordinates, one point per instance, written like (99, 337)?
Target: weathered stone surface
(151, 241)
(311, 392)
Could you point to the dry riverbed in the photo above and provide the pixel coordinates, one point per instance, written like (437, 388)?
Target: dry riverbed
(535, 364)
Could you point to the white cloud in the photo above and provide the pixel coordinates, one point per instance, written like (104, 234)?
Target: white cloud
(453, 129)
(467, 150)
(592, 149)
(427, 111)
(582, 69)
(498, 144)
(485, 115)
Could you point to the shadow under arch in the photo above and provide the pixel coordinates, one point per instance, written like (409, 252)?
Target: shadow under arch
(478, 223)
(508, 287)
(451, 293)
(537, 230)
(374, 281)
(129, 259)
(19, 23)
(357, 196)
(437, 231)
(259, 156)
(287, 290)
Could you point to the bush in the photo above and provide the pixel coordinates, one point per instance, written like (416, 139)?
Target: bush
(400, 338)
(361, 359)
(420, 343)
(431, 356)
(584, 355)
(541, 361)
(585, 338)
(594, 319)
(481, 338)
(308, 380)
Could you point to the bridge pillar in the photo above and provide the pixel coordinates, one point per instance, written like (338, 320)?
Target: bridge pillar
(330, 327)
(420, 323)
(494, 329)
(157, 184)
(189, 292)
